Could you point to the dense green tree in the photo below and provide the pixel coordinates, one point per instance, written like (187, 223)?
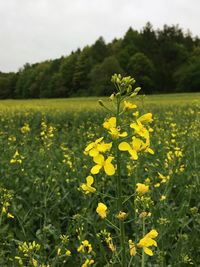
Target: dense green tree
(165, 60)
(188, 75)
(82, 69)
(67, 70)
(101, 74)
(99, 51)
(129, 46)
(142, 69)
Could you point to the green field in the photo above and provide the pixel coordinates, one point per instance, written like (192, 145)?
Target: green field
(92, 102)
(43, 166)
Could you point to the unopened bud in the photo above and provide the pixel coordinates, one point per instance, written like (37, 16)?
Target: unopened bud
(101, 103)
(112, 97)
(137, 89)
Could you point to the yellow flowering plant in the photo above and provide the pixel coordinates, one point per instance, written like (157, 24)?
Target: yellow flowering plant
(124, 136)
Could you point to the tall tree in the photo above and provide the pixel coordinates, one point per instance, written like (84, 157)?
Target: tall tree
(100, 76)
(142, 69)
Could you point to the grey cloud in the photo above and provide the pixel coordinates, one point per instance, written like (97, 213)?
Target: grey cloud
(35, 30)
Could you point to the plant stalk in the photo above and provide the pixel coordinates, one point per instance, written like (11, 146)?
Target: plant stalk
(143, 254)
(119, 197)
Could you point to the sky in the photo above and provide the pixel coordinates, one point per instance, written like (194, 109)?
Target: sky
(36, 30)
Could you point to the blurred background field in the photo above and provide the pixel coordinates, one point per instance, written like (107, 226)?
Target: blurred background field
(88, 103)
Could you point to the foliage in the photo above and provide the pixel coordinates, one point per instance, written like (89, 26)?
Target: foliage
(165, 65)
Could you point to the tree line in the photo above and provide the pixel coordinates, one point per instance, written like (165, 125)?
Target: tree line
(162, 61)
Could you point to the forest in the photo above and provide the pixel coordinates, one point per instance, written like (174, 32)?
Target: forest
(165, 60)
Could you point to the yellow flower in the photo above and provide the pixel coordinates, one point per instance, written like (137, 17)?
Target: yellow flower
(9, 215)
(140, 129)
(135, 114)
(26, 128)
(128, 106)
(121, 215)
(34, 262)
(101, 210)
(142, 188)
(163, 178)
(87, 263)
(148, 241)
(110, 123)
(68, 252)
(87, 186)
(145, 118)
(102, 163)
(85, 247)
(133, 148)
(132, 248)
(94, 148)
(114, 131)
(162, 198)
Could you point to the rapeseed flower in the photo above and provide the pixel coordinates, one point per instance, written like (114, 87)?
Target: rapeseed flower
(122, 215)
(142, 188)
(133, 148)
(85, 247)
(102, 210)
(148, 241)
(128, 106)
(25, 129)
(87, 263)
(145, 118)
(132, 248)
(110, 123)
(102, 163)
(112, 128)
(87, 187)
(94, 148)
(140, 129)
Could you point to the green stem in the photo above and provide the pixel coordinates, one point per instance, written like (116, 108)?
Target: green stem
(119, 196)
(143, 254)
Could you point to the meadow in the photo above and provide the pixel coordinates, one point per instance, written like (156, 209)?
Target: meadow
(48, 218)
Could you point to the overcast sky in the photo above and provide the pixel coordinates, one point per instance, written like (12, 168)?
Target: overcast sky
(36, 30)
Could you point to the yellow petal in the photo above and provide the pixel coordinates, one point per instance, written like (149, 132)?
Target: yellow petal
(84, 187)
(93, 152)
(124, 146)
(90, 146)
(152, 234)
(150, 151)
(133, 154)
(109, 159)
(124, 134)
(90, 180)
(99, 159)
(98, 140)
(146, 118)
(96, 169)
(109, 169)
(148, 251)
(112, 121)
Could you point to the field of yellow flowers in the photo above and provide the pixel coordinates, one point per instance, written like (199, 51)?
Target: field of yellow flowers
(115, 184)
